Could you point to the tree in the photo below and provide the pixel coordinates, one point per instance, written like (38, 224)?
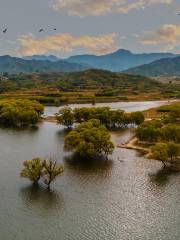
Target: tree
(50, 171)
(137, 118)
(32, 170)
(38, 168)
(170, 132)
(20, 112)
(117, 118)
(149, 131)
(173, 150)
(106, 116)
(65, 117)
(160, 152)
(89, 139)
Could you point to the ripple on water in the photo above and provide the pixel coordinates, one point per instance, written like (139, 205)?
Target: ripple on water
(127, 198)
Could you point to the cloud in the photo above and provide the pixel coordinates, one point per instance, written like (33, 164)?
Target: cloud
(65, 43)
(84, 8)
(167, 36)
(140, 4)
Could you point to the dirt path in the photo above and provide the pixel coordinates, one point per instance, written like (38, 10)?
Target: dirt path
(132, 144)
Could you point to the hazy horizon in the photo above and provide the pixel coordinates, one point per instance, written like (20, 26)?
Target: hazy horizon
(88, 54)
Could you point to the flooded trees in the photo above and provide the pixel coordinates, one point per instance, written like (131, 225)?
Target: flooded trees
(51, 171)
(107, 117)
(89, 139)
(20, 112)
(32, 170)
(137, 118)
(160, 153)
(65, 117)
(166, 152)
(37, 168)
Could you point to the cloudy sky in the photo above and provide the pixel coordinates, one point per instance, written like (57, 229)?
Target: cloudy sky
(88, 26)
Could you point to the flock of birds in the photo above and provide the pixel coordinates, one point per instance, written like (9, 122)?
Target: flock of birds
(40, 30)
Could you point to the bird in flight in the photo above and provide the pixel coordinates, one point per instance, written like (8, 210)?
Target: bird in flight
(5, 30)
(41, 30)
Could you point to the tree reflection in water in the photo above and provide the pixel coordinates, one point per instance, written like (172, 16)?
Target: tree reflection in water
(81, 166)
(161, 177)
(40, 199)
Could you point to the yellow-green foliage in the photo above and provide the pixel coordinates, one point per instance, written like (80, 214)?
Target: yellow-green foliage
(89, 139)
(51, 170)
(165, 151)
(109, 118)
(20, 112)
(32, 169)
(65, 117)
(38, 168)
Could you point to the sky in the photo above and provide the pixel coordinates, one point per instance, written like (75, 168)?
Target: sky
(88, 26)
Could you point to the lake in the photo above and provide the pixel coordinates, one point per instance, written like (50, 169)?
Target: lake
(127, 198)
(126, 106)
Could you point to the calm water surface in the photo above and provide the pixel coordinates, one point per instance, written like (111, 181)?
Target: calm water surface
(128, 198)
(126, 106)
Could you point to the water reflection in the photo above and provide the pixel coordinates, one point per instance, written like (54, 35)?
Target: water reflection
(93, 200)
(62, 132)
(84, 166)
(161, 177)
(28, 129)
(40, 199)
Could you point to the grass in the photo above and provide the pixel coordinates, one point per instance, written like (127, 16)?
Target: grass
(158, 113)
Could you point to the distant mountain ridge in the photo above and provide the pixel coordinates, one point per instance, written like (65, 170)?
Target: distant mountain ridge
(51, 58)
(162, 67)
(14, 65)
(116, 61)
(119, 60)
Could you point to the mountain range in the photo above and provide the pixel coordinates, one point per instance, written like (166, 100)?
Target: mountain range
(149, 64)
(51, 58)
(119, 60)
(16, 65)
(162, 67)
(115, 62)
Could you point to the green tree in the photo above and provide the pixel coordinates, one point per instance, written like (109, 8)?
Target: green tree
(51, 171)
(170, 132)
(160, 152)
(149, 131)
(20, 112)
(137, 118)
(173, 150)
(65, 117)
(32, 170)
(117, 118)
(89, 139)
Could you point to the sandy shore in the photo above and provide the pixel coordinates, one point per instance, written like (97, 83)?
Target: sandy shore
(49, 119)
(133, 144)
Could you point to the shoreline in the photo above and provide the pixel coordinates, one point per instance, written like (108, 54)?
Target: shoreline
(110, 100)
(132, 145)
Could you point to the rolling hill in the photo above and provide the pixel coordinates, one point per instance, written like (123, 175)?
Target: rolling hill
(162, 67)
(16, 65)
(89, 79)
